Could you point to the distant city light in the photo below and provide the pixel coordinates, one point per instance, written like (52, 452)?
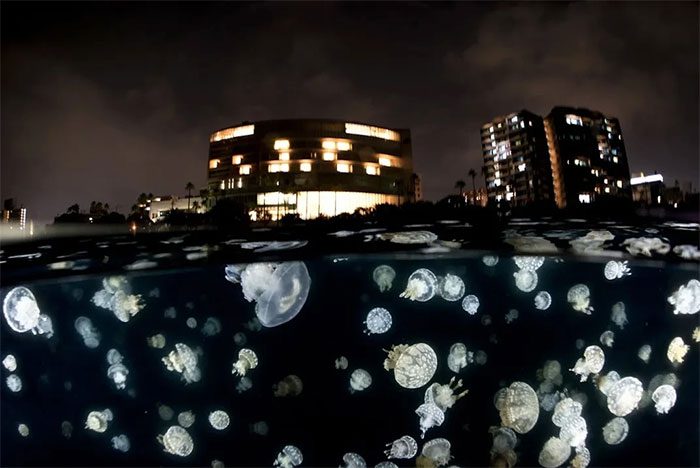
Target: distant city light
(646, 179)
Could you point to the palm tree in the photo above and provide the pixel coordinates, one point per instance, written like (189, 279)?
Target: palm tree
(189, 187)
(460, 184)
(472, 174)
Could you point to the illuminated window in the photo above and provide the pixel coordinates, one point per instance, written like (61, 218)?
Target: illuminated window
(342, 167)
(498, 174)
(493, 137)
(366, 130)
(214, 163)
(619, 184)
(233, 132)
(223, 185)
(500, 125)
(305, 167)
(385, 162)
(521, 167)
(610, 136)
(607, 189)
(240, 183)
(522, 124)
(572, 119)
(615, 159)
(497, 182)
(284, 156)
(372, 170)
(343, 146)
(514, 119)
(608, 128)
(584, 197)
(244, 170)
(491, 129)
(328, 156)
(273, 168)
(493, 143)
(236, 160)
(281, 144)
(328, 145)
(605, 181)
(284, 167)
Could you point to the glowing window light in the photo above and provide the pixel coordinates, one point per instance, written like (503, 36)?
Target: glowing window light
(584, 197)
(305, 167)
(214, 163)
(223, 185)
(572, 119)
(514, 119)
(236, 160)
(372, 170)
(284, 167)
(522, 124)
(385, 162)
(342, 167)
(491, 129)
(328, 145)
(615, 159)
(521, 167)
(607, 189)
(284, 156)
(244, 170)
(239, 184)
(497, 182)
(281, 144)
(376, 132)
(329, 156)
(343, 146)
(498, 174)
(232, 132)
(273, 168)
(619, 184)
(646, 179)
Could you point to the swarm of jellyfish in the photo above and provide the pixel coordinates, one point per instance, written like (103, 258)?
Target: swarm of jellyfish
(176, 441)
(116, 297)
(10, 363)
(117, 371)
(686, 300)
(618, 315)
(525, 280)
(183, 361)
(429, 416)
(359, 380)
(677, 349)
(403, 447)
(437, 451)
(422, 286)
(384, 276)
(98, 421)
(518, 407)
(219, 420)
(22, 313)
(664, 398)
(413, 365)
(291, 385)
(444, 396)
(451, 287)
(646, 246)
(579, 296)
(378, 321)
(89, 334)
(247, 359)
(615, 270)
(289, 457)
(121, 443)
(459, 357)
(543, 300)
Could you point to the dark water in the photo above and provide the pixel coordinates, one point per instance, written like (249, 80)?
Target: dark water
(326, 420)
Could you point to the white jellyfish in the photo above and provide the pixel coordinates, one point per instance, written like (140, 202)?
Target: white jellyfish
(21, 310)
(403, 447)
(384, 276)
(219, 420)
(211, 327)
(644, 353)
(240, 339)
(459, 357)
(244, 384)
(176, 441)
(528, 262)
(480, 357)
(579, 296)
(353, 460)
(511, 316)
(247, 359)
(430, 416)
(23, 430)
(191, 322)
(386, 464)
(543, 300)
(567, 416)
(677, 349)
(437, 451)
(525, 280)
(67, 429)
(664, 397)
(289, 457)
(451, 287)
(118, 374)
(687, 251)
(98, 420)
(444, 396)
(183, 361)
(378, 321)
(341, 363)
(14, 383)
(156, 341)
(165, 412)
(554, 453)
(607, 338)
(253, 325)
(624, 396)
(121, 443)
(618, 315)
(116, 296)
(614, 270)
(615, 431)
(259, 428)
(518, 407)
(490, 260)
(186, 419)
(580, 343)
(170, 313)
(291, 385)
(470, 304)
(413, 365)
(686, 300)
(10, 363)
(359, 380)
(91, 337)
(422, 286)
(45, 326)
(591, 363)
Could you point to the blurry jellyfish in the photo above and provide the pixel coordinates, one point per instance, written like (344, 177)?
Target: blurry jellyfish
(359, 380)
(451, 288)
(247, 359)
(90, 335)
(688, 252)
(677, 349)
(618, 315)
(656, 382)
(607, 338)
(189, 305)
(170, 312)
(183, 361)
(289, 457)
(437, 451)
(121, 443)
(176, 441)
(404, 447)
(341, 363)
(378, 321)
(186, 419)
(66, 429)
(580, 343)
(646, 245)
(244, 384)
(644, 353)
(386, 464)
(511, 316)
(259, 428)
(486, 320)
(155, 292)
(525, 280)
(219, 420)
(14, 383)
(409, 237)
(98, 420)
(211, 327)
(615, 431)
(528, 262)
(253, 325)
(504, 441)
(118, 373)
(23, 430)
(10, 363)
(489, 260)
(615, 270)
(156, 341)
(518, 407)
(686, 300)
(430, 416)
(554, 453)
(165, 412)
(591, 363)
(353, 460)
(696, 334)
(21, 310)
(624, 396)
(470, 304)
(567, 416)
(45, 326)
(606, 382)
(422, 286)
(240, 339)
(444, 396)
(664, 397)
(413, 365)
(481, 357)
(579, 296)
(217, 464)
(191, 322)
(543, 300)
(116, 296)
(551, 370)
(288, 386)
(384, 276)
(459, 357)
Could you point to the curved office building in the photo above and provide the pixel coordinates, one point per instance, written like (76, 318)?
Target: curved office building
(311, 167)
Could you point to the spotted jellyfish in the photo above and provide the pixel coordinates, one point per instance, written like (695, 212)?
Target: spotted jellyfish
(23, 430)
(91, 337)
(341, 363)
(677, 349)
(176, 441)
(591, 363)
(618, 315)
(413, 365)
(289, 457)
(10, 363)
(116, 297)
(444, 396)
(384, 276)
(470, 304)
(490, 260)
(543, 300)
(656, 382)
(437, 451)
(219, 420)
(518, 407)
(615, 270)
(644, 353)
(528, 262)
(686, 300)
(459, 357)
(403, 447)
(607, 338)
(525, 280)
(615, 431)
(554, 453)
(244, 384)
(156, 341)
(247, 360)
(511, 316)
(378, 321)
(567, 416)
(191, 323)
(22, 313)
(353, 460)
(386, 464)
(579, 296)
(504, 441)
(121, 443)
(359, 380)
(430, 416)
(451, 287)
(211, 327)
(240, 339)
(183, 360)
(259, 428)
(186, 419)
(664, 398)
(624, 396)
(14, 383)
(291, 385)
(98, 420)
(165, 412)
(422, 286)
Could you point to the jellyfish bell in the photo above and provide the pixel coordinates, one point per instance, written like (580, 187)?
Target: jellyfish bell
(259, 428)
(481, 357)
(240, 339)
(451, 287)
(430, 416)
(165, 412)
(664, 398)
(554, 453)
(291, 385)
(470, 304)
(615, 270)
(353, 460)
(525, 280)
(403, 447)
(14, 383)
(176, 441)
(121, 443)
(219, 420)
(518, 407)
(644, 353)
(289, 457)
(511, 316)
(360, 380)
(247, 359)
(118, 374)
(186, 419)
(489, 260)
(244, 384)
(579, 296)
(341, 363)
(378, 321)
(444, 396)
(191, 322)
(10, 363)
(459, 357)
(615, 431)
(156, 341)
(677, 349)
(437, 451)
(422, 286)
(183, 360)
(686, 300)
(413, 365)
(98, 421)
(543, 300)
(618, 315)
(384, 276)
(211, 327)
(532, 263)
(607, 338)
(285, 294)
(23, 430)
(90, 335)
(624, 396)
(591, 363)
(21, 310)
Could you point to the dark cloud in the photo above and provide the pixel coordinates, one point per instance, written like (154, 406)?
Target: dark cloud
(106, 100)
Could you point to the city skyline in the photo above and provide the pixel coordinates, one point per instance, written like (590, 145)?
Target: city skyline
(101, 97)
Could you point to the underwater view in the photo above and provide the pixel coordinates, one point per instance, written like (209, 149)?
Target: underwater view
(547, 345)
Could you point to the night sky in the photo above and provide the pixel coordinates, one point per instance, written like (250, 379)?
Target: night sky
(104, 101)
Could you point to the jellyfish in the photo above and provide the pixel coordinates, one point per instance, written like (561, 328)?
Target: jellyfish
(528, 263)
(444, 396)
(240, 339)
(554, 453)
(606, 382)
(21, 310)
(438, 451)
(386, 464)
(644, 353)
(244, 384)
(422, 286)
(186, 419)
(664, 397)
(23, 430)
(686, 251)
(45, 326)
(582, 458)
(525, 280)
(211, 327)
(91, 337)
(253, 325)
(459, 357)
(259, 428)
(567, 416)
(615, 270)
(165, 412)
(470, 304)
(551, 370)
(341, 363)
(696, 334)
(615, 431)
(191, 322)
(155, 292)
(10, 363)
(430, 416)
(98, 420)
(378, 321)
(504, 441)
(219, 420)
(403, 447)
(118, 373)
(409, 237)
(518, 407)
(451, 288)
(618, 315)
(14, 383)
(183, 361)
(543, 300)
(592, 243)
(170, 313)
(511, 316)
(686, 300)
(359, 380)
(579, 296)
(580, 343)
(591, 363)
(481, 357)
(624, 395)
(247, 359)
(289, 457)
(677, 349)
(486, 320)
(490, 260)
(288, 386)
(156, 341)
(607, 338)
(646, 245)
(66, 429)
(116, 297)
(384, 276)
(353, 460)
(121, 443)
(413, 365)
(176, 441)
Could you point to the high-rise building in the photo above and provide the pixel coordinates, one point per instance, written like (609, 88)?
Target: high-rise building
(516, 160)
(648, 189)
(13, 215)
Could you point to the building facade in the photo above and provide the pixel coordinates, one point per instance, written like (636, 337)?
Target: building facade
(648, 190)
(13, 216)
(311, 167)
(159, 207)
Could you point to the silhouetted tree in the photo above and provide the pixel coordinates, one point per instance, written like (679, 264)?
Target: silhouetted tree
(460, 184)
(189, 187)
(472, 174)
